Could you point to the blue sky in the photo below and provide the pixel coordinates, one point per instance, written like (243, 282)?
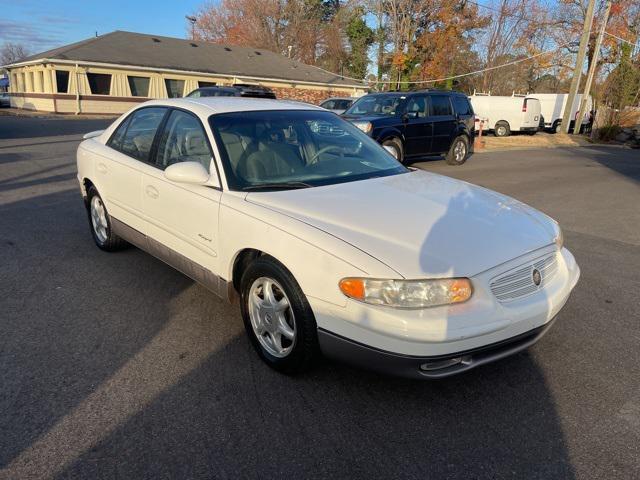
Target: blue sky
(43, 24)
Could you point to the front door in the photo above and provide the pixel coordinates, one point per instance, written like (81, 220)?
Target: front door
(418, 128)
(183, 218)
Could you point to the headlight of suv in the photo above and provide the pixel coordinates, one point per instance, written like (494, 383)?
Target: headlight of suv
(366, 127)
(407, 293)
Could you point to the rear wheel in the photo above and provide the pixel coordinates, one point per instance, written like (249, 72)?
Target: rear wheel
(459, 151)
(502, 129)
(277, 317)
(557, 127)
(396, 146)
(100, 224)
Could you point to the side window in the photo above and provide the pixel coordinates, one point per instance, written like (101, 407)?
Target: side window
(417, 107)
(329, 104)
(440, 105)
(183, 140)
(116, 139)
(141, 131)
(462, 105)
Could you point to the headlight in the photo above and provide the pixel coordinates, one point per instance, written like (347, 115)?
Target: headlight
(559, 238)
(407, 293)
(366, 127)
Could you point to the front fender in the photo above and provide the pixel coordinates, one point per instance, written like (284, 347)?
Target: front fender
(316, 259)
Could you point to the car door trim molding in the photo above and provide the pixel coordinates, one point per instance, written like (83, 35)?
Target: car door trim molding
(191, 269)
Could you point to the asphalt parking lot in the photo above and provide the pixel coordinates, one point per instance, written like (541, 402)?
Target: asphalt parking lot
(116, 366)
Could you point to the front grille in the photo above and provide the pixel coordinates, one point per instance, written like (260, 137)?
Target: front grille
(519, 282)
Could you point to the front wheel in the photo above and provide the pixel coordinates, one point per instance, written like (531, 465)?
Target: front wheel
(459, 151)
(395, 148)
(277, 317)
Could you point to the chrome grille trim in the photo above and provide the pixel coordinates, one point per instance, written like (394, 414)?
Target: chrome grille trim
(518, 282)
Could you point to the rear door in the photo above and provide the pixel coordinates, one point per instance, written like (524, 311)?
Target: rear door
(444, 122)
(530, 113)
(418, 128)
(183, 218)
(126, 158)
(464, 114)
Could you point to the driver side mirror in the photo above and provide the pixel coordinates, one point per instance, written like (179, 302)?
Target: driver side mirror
(187, 172)
(409, 115)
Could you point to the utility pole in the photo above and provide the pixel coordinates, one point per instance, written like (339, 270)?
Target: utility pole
(577, 71)
(192, 20)
(592, 69)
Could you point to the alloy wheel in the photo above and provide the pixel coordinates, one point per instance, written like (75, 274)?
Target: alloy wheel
(99, 219)
(272, 317)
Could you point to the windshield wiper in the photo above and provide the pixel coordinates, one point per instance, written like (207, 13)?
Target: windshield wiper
(277, 186)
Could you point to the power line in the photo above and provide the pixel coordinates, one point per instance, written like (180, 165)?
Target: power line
(475, 72)
(530, 19)
(622, 39)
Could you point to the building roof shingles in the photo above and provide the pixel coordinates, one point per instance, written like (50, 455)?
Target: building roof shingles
(137, 49)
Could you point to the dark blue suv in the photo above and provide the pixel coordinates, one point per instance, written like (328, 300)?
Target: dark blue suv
(418, 123)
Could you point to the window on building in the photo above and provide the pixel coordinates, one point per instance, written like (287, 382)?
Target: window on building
(175, 88)
(183, 140)
(139, 86)
(440, 105)
(206, 84)
(140, 132)
(99, 83)
(62, 81)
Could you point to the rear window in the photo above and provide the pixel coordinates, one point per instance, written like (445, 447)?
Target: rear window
(462, 106)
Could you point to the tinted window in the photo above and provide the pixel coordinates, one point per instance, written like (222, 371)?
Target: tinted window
(329, 104)
(206, 84)
(62, 81)
(462, 105)
(141, 130)
(342, 104)
(440, 105)
(100, 83)
(175, 88)
(418, 107)
(183, 140)
(139, 86)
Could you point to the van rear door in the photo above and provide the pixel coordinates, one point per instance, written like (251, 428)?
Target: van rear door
(530, 113)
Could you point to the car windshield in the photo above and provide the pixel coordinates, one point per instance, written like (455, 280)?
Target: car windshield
(286, 149)
(379, 104)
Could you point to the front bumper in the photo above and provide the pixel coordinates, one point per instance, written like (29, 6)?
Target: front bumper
(432, 367)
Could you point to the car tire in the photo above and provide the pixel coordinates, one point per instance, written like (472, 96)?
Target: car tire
(557, 127)
(459, 151)
(502, 129)
(100, 224)
(396, 144)
(280, 326)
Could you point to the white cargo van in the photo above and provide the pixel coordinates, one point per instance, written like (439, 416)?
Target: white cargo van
(508, 114)
(552, 108)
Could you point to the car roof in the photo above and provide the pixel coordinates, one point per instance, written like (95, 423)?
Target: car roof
(205, 106)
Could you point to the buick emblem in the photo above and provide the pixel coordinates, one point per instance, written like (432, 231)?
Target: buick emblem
(537, 278)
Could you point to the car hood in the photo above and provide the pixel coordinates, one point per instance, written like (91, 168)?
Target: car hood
(419, 224)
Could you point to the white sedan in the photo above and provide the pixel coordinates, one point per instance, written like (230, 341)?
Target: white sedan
(328, 243)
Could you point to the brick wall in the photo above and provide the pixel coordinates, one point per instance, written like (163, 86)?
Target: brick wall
(314, 97)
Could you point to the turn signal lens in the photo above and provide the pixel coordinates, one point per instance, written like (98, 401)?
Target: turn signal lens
(352, 287)
(407, 293)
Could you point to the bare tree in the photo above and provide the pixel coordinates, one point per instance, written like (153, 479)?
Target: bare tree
(12, 53)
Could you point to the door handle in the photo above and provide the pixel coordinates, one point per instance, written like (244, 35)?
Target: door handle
(102, 168)
(152, 191)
